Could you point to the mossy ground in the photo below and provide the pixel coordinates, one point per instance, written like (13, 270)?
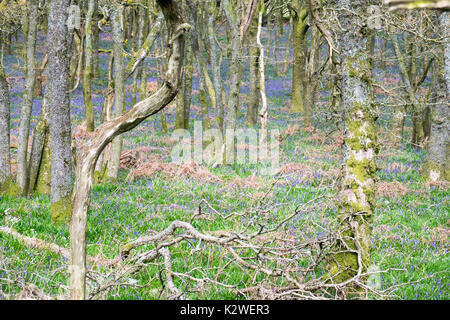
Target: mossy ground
(407, 231)
(60, 211)
(9, 188)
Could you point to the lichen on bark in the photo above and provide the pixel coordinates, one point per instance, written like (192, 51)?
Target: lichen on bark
(350, 255)
(60, 210)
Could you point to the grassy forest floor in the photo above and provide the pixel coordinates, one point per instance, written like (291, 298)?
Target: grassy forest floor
(410, 231)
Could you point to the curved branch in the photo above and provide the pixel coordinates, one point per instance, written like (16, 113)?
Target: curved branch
(87, 155)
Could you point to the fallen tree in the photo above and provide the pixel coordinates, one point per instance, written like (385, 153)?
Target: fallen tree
(277, 263)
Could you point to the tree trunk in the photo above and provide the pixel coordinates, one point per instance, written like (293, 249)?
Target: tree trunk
(298, 69)
(119, 87)
(57, 97)
(262, 80)
(398, 124)
(95, 41)
(408, 72)
(215, 67)
(188, 74)
(37, 160)
(6, 182)
(106, 115)
(232, 17)
(437, 166)
(88, 68)
(352, 253)
(39, 78)
(198, 49)
(253, 53)
(27, 104)
(204, 105)
(310, 85)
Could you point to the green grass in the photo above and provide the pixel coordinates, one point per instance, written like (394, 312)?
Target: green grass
(404, 235)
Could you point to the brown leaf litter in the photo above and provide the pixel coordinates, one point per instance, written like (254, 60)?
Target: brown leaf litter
(191, 170)
(391, 189)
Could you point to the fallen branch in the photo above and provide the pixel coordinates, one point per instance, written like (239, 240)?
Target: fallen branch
(40, 244)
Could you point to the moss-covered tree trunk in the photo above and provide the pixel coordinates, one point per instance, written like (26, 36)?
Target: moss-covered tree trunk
(215, 66)
(204, 105)
(300, 27)
(27, 104)
(39, 78)
(95, 40)
(253, 57)
(408, 72)
(198, 48)
(351, 255)
(311, 80)
(143, 30)
(57, 97)
(37, 160)
(106, 115)
(6, 180)
(398, 124)
(418, 134)
(88, 71)
(188, 75)
(233, 19)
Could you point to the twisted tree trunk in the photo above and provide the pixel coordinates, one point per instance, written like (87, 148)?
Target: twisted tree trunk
(88, 155)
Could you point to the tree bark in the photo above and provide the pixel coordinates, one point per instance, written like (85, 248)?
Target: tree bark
(310, 85)
(254, 83)
(119, 86)
(188, 75)
(37, 160)
(215, 66)
(232, 17)
(27, 104)
(262, 79)
(89, 67)
(352, 253)
(300, 27)
(6, 180)
(57, 97)
(437, 166)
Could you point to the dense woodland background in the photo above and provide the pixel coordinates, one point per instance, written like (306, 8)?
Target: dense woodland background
(93, 207)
